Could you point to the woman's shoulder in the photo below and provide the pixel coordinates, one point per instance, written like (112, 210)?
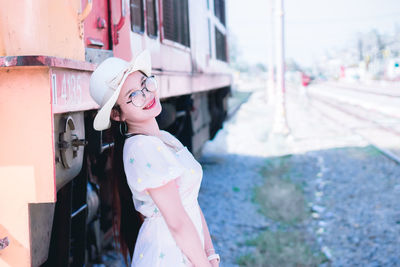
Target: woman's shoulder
(171, 140)
(141, 140)
(141, 146)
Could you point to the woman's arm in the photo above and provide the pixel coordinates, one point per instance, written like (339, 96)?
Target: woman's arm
(208, 245)
(169, 203)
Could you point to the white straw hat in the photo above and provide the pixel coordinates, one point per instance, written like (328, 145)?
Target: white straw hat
(106, 82)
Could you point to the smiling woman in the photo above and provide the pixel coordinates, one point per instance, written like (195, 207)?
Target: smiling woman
(156, 179)
(138, 97)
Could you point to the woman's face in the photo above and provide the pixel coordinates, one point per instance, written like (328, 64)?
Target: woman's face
(131, 113)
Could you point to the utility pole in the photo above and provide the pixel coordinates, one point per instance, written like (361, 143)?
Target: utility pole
(270, 94)
(280, 122)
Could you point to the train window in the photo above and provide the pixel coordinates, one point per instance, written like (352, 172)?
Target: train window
(219, 10)
(220, 45)
(137, 16)
(176, 21)
(151, 18)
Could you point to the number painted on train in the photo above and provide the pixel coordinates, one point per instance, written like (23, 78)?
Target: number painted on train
(71, 91)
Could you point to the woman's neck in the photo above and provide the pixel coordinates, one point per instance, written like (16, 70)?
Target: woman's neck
(149, 127)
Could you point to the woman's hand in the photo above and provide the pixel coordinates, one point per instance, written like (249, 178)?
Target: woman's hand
(214, 263)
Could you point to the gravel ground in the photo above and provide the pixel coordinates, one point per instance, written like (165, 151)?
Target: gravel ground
(352, 190)
(367, 185)
(354, 199)
(225, 198)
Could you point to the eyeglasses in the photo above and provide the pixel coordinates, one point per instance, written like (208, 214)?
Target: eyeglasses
(138, 97)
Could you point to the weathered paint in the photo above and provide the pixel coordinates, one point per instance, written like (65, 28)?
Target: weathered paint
(20, 61)
(25, 29)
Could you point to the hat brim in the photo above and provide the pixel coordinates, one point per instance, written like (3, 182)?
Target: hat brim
(102, 119)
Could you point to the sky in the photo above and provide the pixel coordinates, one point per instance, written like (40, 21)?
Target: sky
(312, 27)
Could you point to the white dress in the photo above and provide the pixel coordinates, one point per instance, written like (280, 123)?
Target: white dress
(151, 162)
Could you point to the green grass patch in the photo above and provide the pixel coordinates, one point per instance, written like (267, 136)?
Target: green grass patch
(279, 198)
(282, 201)
(281, 248)
(364, 153)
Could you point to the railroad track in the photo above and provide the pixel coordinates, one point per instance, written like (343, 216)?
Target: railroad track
(370, 117)
(339, 105)
(365, 90)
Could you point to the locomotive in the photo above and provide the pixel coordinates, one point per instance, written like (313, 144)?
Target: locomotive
(54, 192)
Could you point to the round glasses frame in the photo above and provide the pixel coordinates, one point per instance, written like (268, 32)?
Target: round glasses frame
(141, 99)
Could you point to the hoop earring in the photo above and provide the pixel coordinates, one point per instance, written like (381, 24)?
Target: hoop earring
(125, 128)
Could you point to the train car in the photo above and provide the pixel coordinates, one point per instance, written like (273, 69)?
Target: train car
(54, 193)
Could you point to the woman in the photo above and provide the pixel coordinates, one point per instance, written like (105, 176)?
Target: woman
(162, 176)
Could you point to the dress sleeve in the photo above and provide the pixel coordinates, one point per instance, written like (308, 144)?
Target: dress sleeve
(149, 163)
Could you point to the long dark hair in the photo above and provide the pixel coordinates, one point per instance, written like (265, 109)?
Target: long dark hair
(126, 220)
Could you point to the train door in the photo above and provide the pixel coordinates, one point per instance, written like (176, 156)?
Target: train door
(97, 31)
(96, 26)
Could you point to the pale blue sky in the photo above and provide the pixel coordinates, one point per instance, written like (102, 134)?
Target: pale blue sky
(312, 26)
